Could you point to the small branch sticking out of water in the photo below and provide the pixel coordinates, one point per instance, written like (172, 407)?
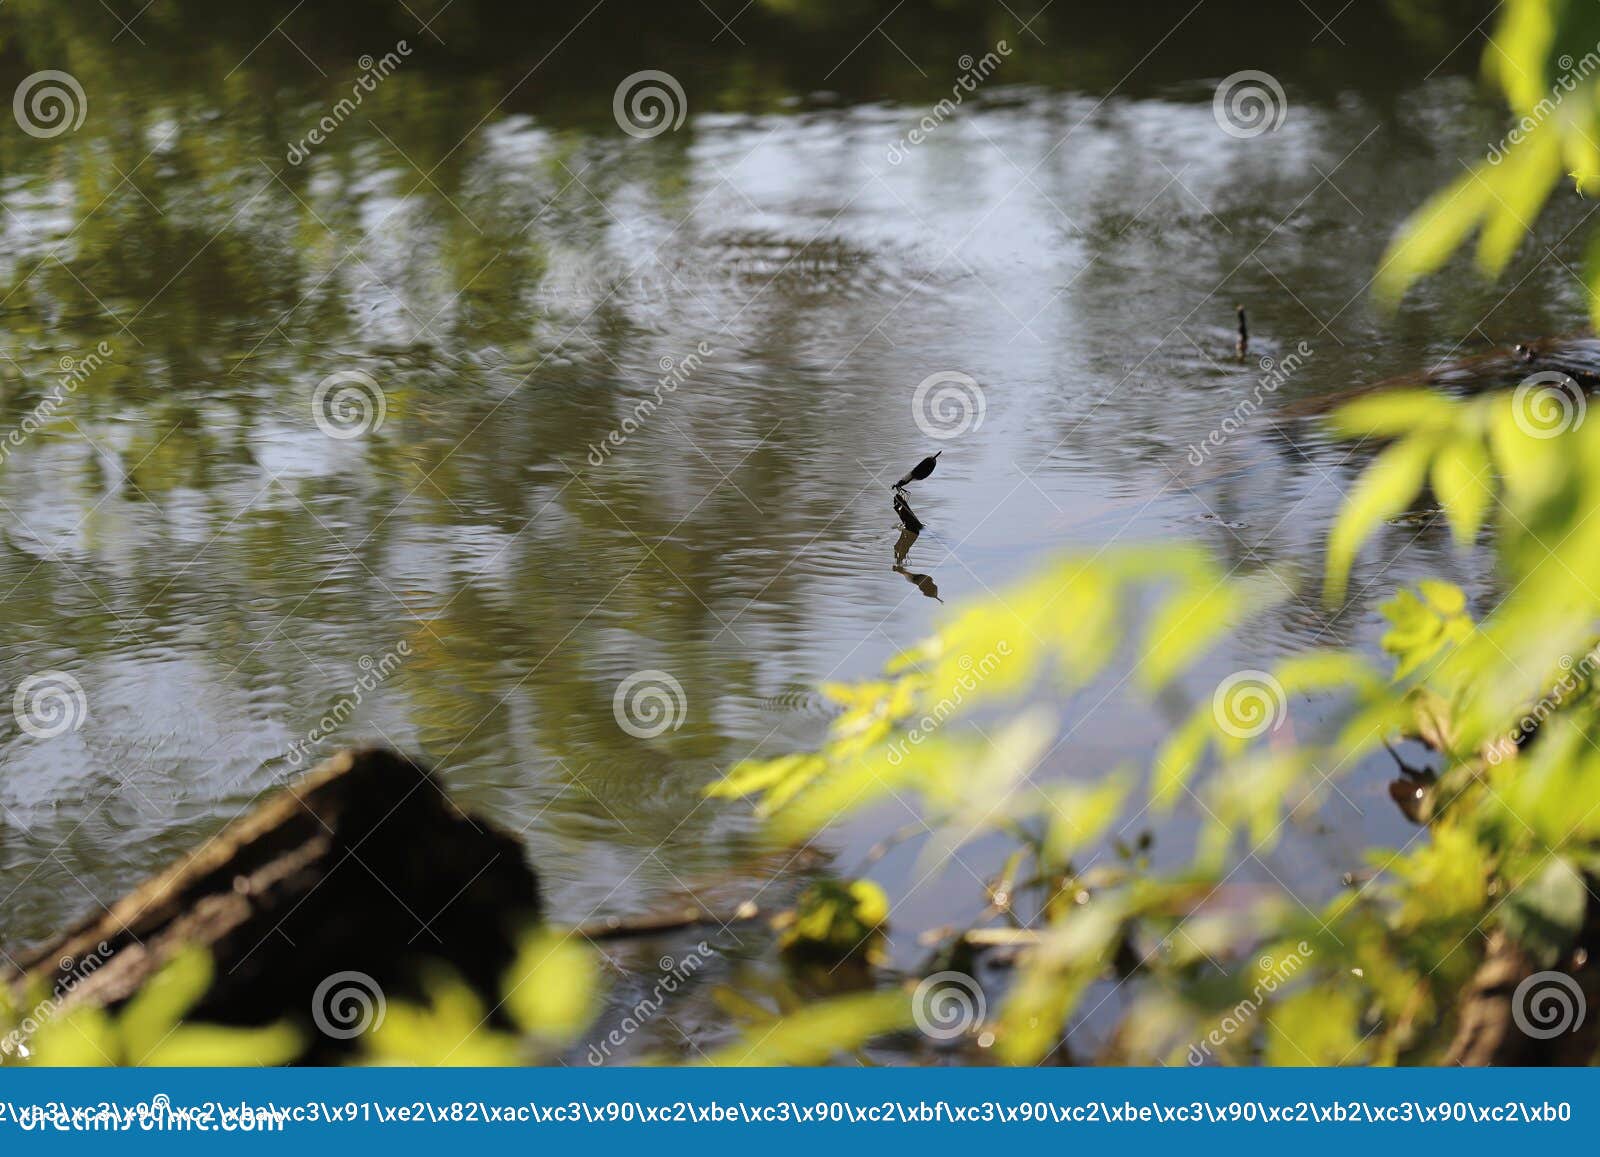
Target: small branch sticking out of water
(616, 928)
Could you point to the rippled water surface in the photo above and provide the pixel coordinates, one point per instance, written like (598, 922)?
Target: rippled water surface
(236, 591)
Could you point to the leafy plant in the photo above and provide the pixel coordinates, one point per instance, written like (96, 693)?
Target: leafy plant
(1544, 57)
(150, 1030)
(551, 994)
(1513, 810)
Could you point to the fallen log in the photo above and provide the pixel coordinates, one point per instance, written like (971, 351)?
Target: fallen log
(363, 866)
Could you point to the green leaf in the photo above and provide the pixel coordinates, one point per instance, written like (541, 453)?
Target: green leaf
(1424, 627)
(819, 1032)
(1520, 184)
(157, 1007)
(552, 987)
(1317, 671)
(1314, 1027)
(989, 791)
(85, 1037)
(1447, 598)
(1080, 815)
(835, 921)
(1545, 914)
(1533, 46)
(1388, 487)
(1179, 756)
(1431, 235)
(754, 776)
(1430, 719)
(1531, 466)
(1463, 482)
(218, 1046)
(1191, 621)
(1393, 414)
(1072, 955)
(449, 1028)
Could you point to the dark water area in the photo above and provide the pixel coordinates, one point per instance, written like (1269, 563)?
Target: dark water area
(435, 419)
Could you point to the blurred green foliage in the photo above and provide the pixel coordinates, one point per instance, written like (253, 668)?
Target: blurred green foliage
(550, 997)
(1506, 704)
(1514, 823)
(837, 921)
(1544, 56)
(148, 1030)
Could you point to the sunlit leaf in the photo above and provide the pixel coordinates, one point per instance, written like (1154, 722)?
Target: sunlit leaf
(1178, 758)
(816, 1034)
(207, 1045)
(1313, 1027)
(1464, 484)
(1393, 413)
(1079, 815)
(1432, 234)
(155, 1010)
(834, 921)
(84, 1037)
(1389, 485)
(552, 987)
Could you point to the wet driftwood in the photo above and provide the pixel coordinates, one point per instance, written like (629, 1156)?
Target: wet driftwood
(363, 865)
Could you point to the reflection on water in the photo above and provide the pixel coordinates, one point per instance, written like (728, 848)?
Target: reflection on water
(911, 530)
(441, 434)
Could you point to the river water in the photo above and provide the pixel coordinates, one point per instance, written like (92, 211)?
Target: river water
(749, 301)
